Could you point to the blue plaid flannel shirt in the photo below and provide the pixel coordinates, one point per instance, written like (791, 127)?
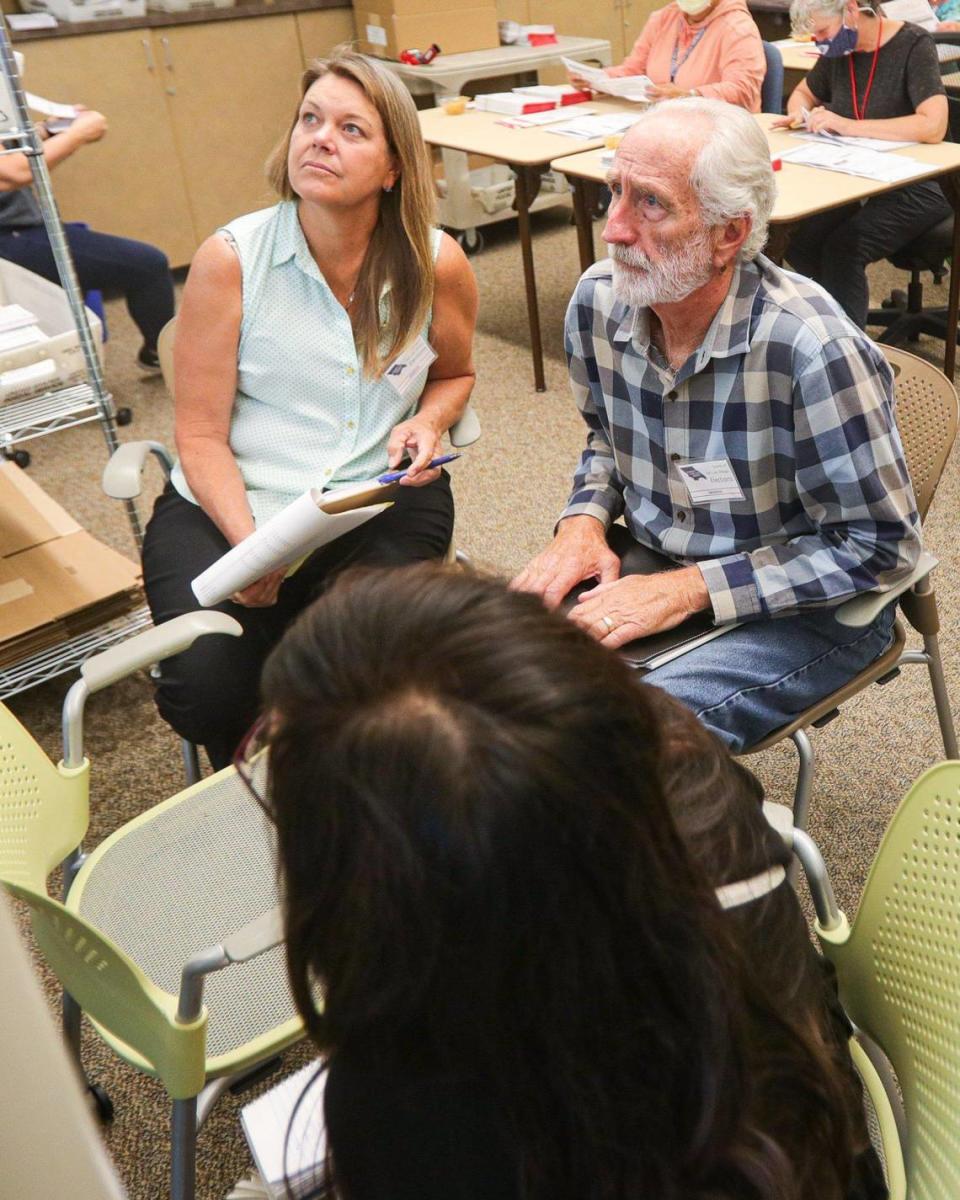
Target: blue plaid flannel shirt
(793, 396)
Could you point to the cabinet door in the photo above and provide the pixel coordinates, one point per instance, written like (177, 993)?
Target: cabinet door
(635, 14)
(232, 89)
(129, 183)
(573, 18)
(322, 29)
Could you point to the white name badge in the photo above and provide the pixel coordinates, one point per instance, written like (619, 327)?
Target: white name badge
(403, 371)
(709, 481)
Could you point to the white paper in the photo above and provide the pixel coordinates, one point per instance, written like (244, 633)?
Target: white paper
(23, 21)
(917, 12)
(287, 536)
(553, 117)
(267, 1119)
(868, 164)
(376, 35)
(858, 143)
(588, 128)
(15, 316)
(16, 339)
(627, 87)
(790, 44)
(50, 108)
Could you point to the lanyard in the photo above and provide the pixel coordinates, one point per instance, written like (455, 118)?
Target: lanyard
(674, 65)
(862, 116)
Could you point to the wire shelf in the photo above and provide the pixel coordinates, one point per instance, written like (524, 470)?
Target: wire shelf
(23, 420)
(66, 656)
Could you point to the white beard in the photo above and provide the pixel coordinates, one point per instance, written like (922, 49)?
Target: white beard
(641, 283)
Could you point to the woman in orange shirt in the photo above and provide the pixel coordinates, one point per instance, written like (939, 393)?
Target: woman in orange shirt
(699, 48)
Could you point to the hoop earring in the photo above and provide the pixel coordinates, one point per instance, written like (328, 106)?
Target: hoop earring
(388, 187)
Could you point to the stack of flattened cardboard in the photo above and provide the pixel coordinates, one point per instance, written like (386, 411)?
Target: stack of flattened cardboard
(56, 580)
(385, 27)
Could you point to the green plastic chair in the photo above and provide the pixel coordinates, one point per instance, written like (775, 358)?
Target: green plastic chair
(169, 934)
(899, 972)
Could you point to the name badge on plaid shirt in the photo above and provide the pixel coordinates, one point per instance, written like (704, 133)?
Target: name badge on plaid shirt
(709, 481)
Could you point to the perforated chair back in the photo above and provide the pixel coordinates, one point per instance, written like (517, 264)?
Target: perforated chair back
(771, 90)
(44, 810)
(926, 412)
(899, 972)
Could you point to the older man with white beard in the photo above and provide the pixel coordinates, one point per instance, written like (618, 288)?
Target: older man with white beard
(691, 354)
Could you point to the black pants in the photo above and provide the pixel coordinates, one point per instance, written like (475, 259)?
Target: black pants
(210, 693)
(835, 247)
(140, 271)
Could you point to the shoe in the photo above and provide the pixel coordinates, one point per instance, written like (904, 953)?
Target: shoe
(148, 359)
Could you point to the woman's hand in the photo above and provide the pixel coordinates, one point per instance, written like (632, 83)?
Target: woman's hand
(578, 82)
(666, 91)
(795, 121)
(420, 438)
(263, 592)
(821, 120)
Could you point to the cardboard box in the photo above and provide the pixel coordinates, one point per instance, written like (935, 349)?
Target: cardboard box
(55, 579)
(383, 33)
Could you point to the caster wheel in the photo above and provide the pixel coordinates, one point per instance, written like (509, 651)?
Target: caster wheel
(20, 457)
(471, 241)
(124, 416)
(104, 1104)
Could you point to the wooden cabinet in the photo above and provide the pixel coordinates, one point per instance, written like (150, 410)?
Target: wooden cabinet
(232, 89)
(193, 113)
(131, 183)
(634, 16)
(323, 29)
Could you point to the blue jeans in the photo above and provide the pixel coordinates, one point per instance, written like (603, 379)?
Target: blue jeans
(104, 262)
(750, 681)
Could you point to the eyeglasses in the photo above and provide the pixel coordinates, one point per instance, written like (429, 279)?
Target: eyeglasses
(250, 759)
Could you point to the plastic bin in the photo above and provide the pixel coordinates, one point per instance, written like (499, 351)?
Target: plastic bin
(48, 302)
(494, 188)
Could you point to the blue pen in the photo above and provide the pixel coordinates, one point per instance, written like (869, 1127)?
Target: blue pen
(393, 476)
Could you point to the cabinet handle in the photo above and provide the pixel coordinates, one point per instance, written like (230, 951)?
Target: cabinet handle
(168, 63)
(148, 51)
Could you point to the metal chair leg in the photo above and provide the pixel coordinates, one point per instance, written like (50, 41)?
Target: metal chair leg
(183, 1154)
(938, 683)
(805, 768)
(191, 762)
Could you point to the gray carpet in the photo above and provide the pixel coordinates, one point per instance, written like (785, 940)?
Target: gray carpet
(509, 489)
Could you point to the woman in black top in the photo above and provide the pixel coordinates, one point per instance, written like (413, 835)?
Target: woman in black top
(876, 78)
(530, 988)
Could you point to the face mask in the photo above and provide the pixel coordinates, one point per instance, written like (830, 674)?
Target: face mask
(693, 8)
(842, 43)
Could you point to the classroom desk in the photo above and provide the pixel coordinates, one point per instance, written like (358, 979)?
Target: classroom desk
(801, 192)
(528, 153)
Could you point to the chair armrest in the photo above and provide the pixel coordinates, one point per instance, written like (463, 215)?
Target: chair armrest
(465, 431)
(154, 645)
(861, 610)
(121, 476)
(256, 937)
(945, 37)
(780, 818)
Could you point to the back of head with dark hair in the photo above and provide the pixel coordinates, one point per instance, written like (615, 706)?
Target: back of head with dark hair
(480, 873)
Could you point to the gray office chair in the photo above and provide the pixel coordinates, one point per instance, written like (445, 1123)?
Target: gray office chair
(771, 90)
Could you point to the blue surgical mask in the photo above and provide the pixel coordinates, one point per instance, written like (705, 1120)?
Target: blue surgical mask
(842, 43)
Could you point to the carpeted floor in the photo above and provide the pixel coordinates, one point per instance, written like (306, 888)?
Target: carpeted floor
(509, 489)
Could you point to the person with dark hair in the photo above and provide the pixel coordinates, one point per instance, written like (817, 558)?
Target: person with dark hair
(319, 341)
(530, 988)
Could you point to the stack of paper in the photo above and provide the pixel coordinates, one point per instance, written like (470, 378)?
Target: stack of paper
(858, 143)
(532, 120)
(591, 128)
(560, 93)
(869, 164)
(628, 87)
(507, 102)
(287, 1138)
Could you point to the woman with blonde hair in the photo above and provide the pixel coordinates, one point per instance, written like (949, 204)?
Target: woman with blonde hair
(291, 320)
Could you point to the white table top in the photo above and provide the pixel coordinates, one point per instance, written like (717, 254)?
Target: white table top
(797, 56)
(504, 60)
(801, 191)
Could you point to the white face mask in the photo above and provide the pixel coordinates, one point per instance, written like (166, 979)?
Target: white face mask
(693, 8)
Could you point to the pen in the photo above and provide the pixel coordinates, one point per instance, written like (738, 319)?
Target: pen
(394, 476)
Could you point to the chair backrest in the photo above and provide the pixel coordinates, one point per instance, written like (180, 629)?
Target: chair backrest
(44, 810)
(926, 411)
(113, 991)
(771, 90)
(899, 973)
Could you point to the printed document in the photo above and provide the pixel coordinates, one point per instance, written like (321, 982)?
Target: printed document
(858, 143)
(868, 164)
(627, 87)
(593, 128)
(296, 1155)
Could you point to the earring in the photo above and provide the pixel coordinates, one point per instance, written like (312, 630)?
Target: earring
(388, 187)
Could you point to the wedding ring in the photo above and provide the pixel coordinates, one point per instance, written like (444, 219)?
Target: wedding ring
(610, 623)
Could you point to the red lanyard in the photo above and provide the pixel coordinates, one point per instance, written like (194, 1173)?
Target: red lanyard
(862, 116)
